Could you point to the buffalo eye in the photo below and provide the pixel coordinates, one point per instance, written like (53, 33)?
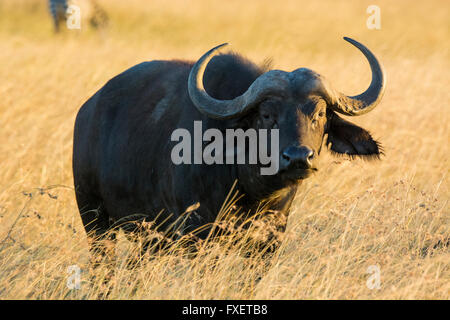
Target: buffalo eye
(266, 117)
(267, 120)
(322, 114)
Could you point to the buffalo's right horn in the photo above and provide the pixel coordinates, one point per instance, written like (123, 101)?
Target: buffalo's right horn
(366, 101)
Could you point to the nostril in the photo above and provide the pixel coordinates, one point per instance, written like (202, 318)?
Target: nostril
(310, 156)
(286, 156)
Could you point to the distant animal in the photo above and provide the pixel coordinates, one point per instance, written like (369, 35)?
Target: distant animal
(92, 14)
(89, 10)
(58, 9)
(122, 138)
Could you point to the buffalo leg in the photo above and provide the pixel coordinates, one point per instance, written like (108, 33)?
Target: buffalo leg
(96, 223)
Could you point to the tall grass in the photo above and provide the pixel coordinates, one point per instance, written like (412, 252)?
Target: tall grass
(392, 213)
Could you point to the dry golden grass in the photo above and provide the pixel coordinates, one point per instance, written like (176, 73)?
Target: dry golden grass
(351, 215)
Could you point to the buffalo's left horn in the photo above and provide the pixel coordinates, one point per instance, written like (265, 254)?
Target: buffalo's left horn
(366, 101)
(272, 81)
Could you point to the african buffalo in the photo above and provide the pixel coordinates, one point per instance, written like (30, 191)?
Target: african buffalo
(122, 141)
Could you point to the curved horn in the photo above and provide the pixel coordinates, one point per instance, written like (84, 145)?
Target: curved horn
(220, 109)
(368, 100)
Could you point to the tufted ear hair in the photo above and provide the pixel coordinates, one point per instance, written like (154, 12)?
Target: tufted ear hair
(345, 137)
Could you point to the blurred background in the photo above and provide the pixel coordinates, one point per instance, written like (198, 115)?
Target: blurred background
(352, 214)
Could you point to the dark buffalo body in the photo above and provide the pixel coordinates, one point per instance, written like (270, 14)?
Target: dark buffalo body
(122, 148)
(122, 141)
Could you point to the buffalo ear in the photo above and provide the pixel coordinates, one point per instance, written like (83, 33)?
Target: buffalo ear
(345, 137)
